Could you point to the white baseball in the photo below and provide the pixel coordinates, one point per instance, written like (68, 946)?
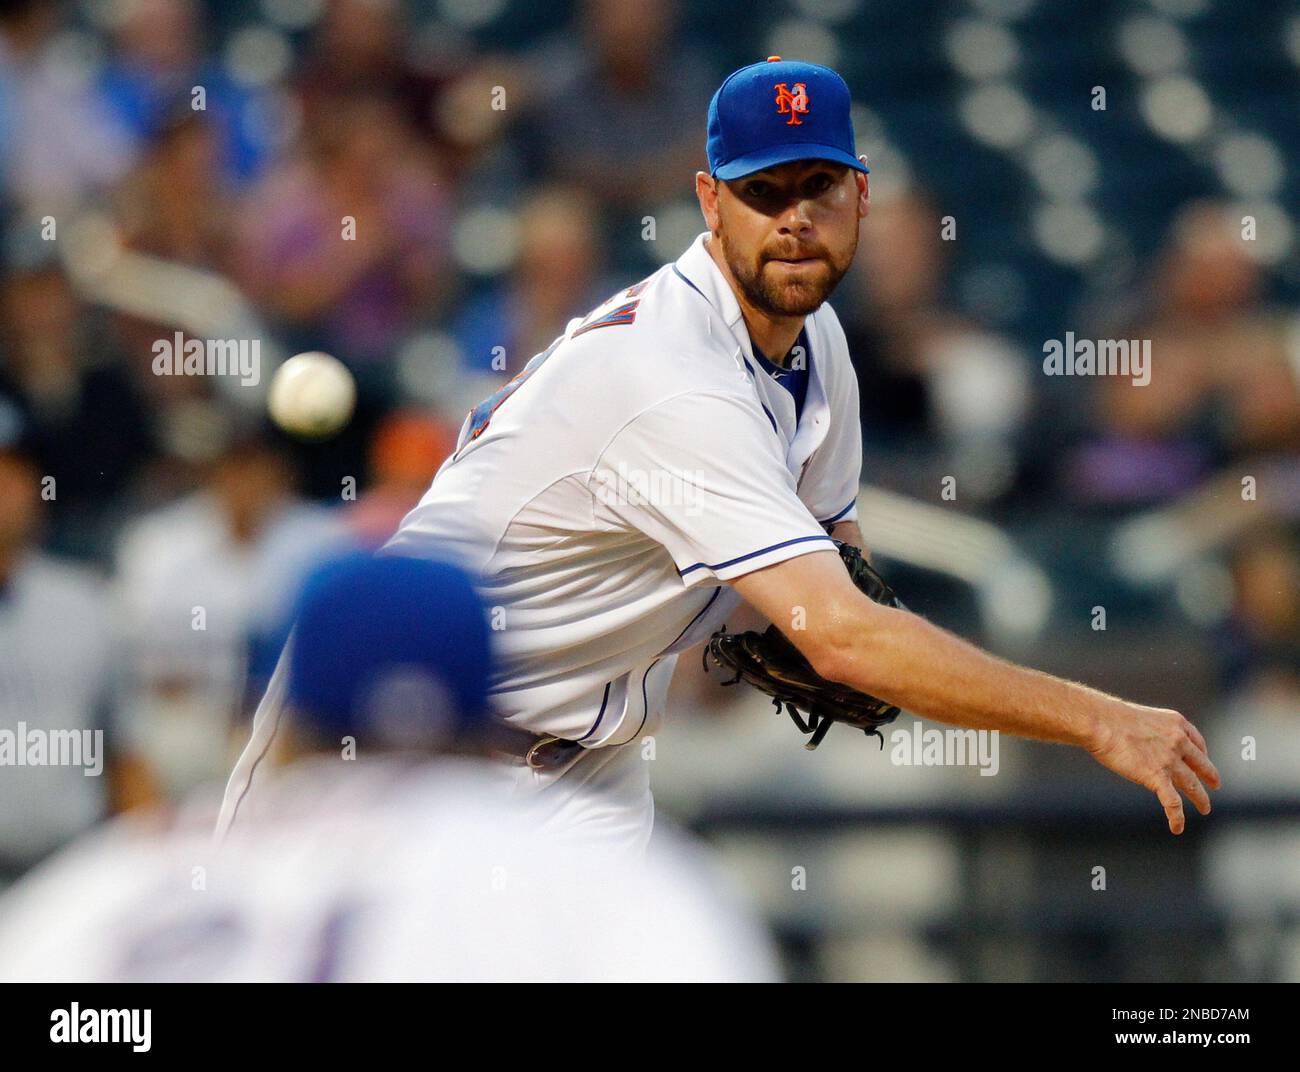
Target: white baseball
(312, 395)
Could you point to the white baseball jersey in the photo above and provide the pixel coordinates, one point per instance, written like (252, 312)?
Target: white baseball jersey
(605, 494)
(385, 870)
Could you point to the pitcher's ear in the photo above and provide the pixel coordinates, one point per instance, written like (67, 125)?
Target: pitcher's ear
(706, 192)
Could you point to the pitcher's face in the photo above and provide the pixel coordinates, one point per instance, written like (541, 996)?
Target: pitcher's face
(788, 233)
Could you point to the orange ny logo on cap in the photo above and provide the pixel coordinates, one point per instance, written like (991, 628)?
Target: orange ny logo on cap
(792, 104)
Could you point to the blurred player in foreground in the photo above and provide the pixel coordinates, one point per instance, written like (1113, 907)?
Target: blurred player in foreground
(385, 847)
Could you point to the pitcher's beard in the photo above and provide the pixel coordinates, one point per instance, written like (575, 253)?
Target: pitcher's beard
(788, 297)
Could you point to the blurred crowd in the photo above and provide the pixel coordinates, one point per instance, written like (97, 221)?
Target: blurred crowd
(431, 202)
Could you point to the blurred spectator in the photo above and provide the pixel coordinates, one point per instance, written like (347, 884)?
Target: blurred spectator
(619, 108)
(360, 49)
(1254, 869)
(173, 205)
(345, 244)
(1221, 380)
(406, 451)
(558, 275)
(58, 140)
(57, 674)
(197, 579)
(1263, 635)
(88, 423)
(442, 89)
(157, 63)
(928, 378)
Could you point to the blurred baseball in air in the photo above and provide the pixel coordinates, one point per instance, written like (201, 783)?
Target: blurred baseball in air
(312, 395)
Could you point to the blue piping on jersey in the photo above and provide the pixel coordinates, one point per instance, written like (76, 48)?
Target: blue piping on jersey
(716, 592)
(749, 367)
(753, 554)
(645, 713)
(645, 700)
(690, 284)
(832, 520)
(754, 377)
(595, 725)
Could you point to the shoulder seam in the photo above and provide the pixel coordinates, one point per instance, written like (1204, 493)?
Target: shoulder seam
(496, 547)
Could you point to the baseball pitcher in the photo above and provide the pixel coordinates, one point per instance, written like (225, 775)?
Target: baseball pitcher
(691, 444)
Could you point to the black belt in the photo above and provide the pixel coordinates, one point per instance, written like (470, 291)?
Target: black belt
(551, 753)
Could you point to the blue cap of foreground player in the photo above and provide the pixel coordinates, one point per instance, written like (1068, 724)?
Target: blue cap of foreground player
(395, 650)
(781, 110)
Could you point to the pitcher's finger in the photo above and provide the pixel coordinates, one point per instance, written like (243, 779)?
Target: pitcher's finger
(1200, 763)
(1186, 780)
(1172, 803)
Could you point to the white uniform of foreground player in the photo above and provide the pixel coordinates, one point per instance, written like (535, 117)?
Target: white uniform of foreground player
(604, 496)
(392, 870)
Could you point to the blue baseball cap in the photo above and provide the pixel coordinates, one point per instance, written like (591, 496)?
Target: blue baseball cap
(393, 648)
(781, 110)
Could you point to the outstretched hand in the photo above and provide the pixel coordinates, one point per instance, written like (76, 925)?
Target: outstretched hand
(1159, 749)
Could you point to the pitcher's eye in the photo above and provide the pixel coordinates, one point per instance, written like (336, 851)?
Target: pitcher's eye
(821, 182)
(757, 189)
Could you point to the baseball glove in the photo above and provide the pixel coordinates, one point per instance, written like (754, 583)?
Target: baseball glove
(772, 664)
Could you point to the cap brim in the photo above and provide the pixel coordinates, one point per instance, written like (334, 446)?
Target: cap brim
(784, 154)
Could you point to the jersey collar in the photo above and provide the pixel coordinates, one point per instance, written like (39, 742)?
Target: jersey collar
(771, 367)
(700, 270)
